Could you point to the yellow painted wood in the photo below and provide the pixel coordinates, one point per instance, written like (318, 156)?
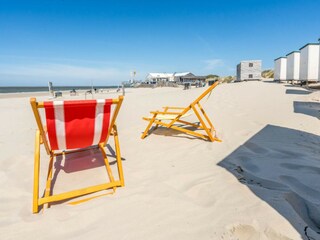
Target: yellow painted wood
(74, 151)
(205, 115)
(115, 101)
(183, 130)
(42, 138)
(166, 112)
(149, 126)
(114, 117)
(205, 123)
(118, 156)
(107, 165)
(79, 192)
(178, 117)
(89, 198)
(190, 132)
(205, 93)
(36, 172)
(191, 124)
(49, 179)
(34, 106)
(167, 107)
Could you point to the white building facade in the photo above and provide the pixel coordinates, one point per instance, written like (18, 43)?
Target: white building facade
(167, 77)
(158, 77)
(319, 65)
(179, 77)
(293, 66)
(249, 70)
(309, 62)
(280, 69)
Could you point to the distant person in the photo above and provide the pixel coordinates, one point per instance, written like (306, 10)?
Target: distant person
(73, 92)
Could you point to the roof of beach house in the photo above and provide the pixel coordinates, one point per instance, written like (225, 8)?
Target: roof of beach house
(182, 74)
(165, 75)
(160, 74)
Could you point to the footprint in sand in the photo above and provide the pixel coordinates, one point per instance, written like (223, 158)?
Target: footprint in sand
(245, 232)
(202, 194)
(271, 234)
(243, 132)
(248, 232)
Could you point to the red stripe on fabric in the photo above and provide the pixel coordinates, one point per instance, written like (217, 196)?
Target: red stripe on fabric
(51, 125)
(79, 119)
(106, 120)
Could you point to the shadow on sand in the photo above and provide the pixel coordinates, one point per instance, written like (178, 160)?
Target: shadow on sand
(282, 167)
(308, 108)
(81, 161)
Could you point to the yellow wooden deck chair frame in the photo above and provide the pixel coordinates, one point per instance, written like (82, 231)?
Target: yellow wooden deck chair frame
(170, 116)
(41, 138)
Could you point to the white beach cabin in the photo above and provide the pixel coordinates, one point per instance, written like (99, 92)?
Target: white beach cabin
(309, 62)
(169, 77)
(319, 65)
(249, 70)
(293, 66)
(280, 69)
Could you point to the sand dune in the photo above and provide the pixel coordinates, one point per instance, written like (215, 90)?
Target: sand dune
(261, 182)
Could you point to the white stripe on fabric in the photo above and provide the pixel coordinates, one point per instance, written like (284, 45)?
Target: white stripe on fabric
(98, 120)
(60, 124)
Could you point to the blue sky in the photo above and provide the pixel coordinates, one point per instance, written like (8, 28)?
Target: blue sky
(76, 42)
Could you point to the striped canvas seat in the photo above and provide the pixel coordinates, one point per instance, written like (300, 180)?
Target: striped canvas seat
(73, 126)
(77, 124)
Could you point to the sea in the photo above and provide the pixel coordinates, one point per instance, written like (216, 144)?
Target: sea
(46, 89)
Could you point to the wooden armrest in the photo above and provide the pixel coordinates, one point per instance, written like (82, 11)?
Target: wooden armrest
(170, 113)
(173, 107)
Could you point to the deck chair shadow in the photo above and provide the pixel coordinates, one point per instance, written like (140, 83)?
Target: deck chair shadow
(75, 126)
(171, 117)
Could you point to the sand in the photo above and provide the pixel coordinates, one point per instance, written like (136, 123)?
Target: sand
(260, 182)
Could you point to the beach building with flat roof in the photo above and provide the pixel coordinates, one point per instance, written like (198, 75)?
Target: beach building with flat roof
(280, 69)
(158, 77)
(293, 66)
(167, 77)
(309, 62)
(181, 77)
(176, 77)
(249, 70)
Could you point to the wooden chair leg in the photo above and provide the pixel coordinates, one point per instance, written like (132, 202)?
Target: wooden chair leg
(49, 179)
(118, 155)
(206, 116)
(35, 206)
(151, 121)
(107, 165)
(203, 124)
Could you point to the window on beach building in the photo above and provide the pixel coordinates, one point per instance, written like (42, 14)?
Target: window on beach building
(250, 76)
(250, 64)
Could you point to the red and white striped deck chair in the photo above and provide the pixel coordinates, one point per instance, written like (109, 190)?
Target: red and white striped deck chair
(73, 126)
